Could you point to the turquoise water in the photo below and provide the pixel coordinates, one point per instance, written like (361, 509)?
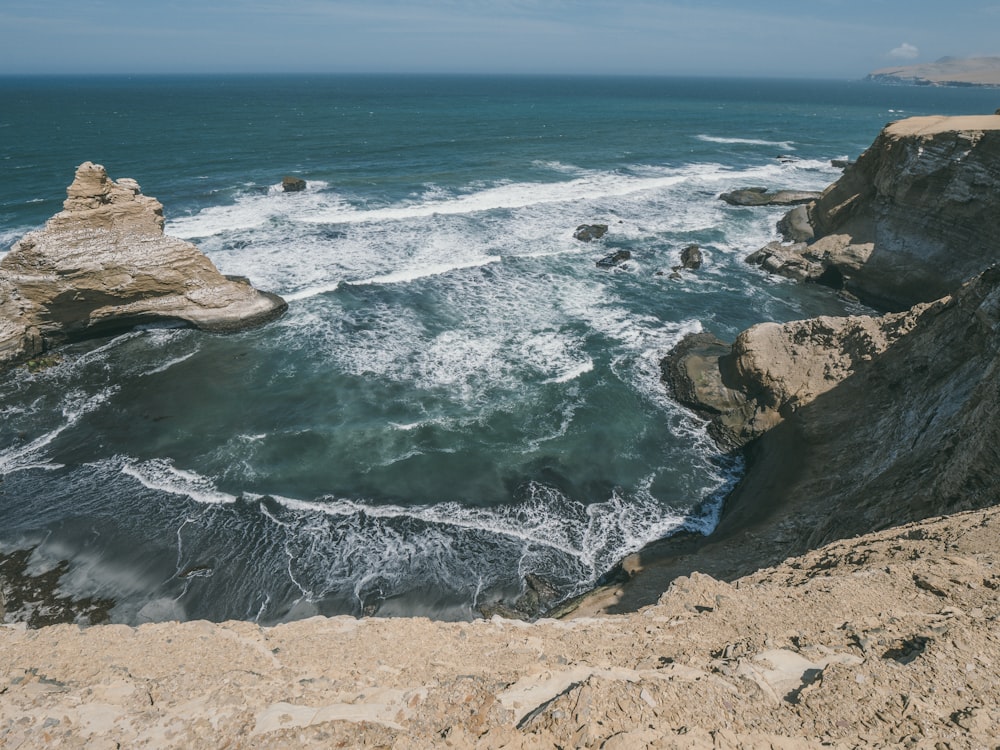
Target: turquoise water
(457, 395)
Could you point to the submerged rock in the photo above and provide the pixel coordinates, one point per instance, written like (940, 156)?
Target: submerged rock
(537, 597)
(104, 263)
(36, 599)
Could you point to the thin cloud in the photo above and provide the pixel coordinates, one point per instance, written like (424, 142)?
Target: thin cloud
(904, 51)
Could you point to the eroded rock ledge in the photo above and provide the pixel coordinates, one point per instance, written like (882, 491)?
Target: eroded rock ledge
(883, 641)
(910, 220)
(104, 263)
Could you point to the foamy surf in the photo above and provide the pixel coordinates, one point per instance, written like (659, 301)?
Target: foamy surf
(162, 475)
(404, 276)
(728, 140)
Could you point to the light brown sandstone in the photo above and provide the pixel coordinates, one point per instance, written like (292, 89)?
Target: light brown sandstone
(890, 640)
(104, 263)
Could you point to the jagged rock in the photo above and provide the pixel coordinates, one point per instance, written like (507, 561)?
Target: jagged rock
(614, 259)
(104, 263)
(793, 261)
(758, 196)
(772, 370)
(588, 232)
(910, 220)
(841, 163)
(691, 257)
(293, 184)
(858, 423)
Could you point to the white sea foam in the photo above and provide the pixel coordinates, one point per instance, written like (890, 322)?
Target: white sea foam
(171, 362)
(573, 373)
(784, 145)
(312, 292)
(403, 276)
(31, 455)
(162, 475)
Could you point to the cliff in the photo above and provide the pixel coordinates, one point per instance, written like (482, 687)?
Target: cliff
(857, 423)
(104, 263)
(948, 71)
(910, 220)
(885, 641)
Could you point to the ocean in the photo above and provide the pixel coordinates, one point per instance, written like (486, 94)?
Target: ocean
(458, 396)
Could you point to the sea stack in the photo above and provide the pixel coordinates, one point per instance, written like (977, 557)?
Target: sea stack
(104, 263)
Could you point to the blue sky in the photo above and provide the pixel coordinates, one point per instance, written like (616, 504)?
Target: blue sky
(811, 38)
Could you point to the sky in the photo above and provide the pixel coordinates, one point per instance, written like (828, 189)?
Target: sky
(843, 39)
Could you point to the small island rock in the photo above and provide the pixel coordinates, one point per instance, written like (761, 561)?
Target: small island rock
(758, 196)
(588, 232)
(614, 259)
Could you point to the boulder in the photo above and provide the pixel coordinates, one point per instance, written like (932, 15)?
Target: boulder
(588, 232)
(292, 184)
(104, 263)
(772, 370)
(691, 257)
(795, 226)
(614, 259)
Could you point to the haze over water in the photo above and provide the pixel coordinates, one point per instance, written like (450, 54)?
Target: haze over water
(457, 395)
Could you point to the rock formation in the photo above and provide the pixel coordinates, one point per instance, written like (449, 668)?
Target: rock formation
(104, 263)
(772, 369)
(615, 259)
(909, 221)
(691, 258)
(759, 196)
(848, 425)
(589, 232)
(948, 71)
(292, 184)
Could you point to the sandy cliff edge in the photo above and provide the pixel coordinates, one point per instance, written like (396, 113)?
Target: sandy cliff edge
(889, 640)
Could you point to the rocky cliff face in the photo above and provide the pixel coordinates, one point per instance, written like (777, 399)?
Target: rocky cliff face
(104, 263)
(772, 370)
(849, 425)
(910, 220)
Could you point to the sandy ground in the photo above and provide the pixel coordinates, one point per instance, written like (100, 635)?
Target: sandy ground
(888, 640)
(922, 126)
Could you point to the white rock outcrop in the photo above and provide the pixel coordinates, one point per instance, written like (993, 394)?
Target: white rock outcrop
(104, 263)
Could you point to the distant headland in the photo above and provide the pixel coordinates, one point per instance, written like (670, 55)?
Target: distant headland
(948, 71)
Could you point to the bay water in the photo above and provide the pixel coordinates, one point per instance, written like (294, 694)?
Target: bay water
(458, 395)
